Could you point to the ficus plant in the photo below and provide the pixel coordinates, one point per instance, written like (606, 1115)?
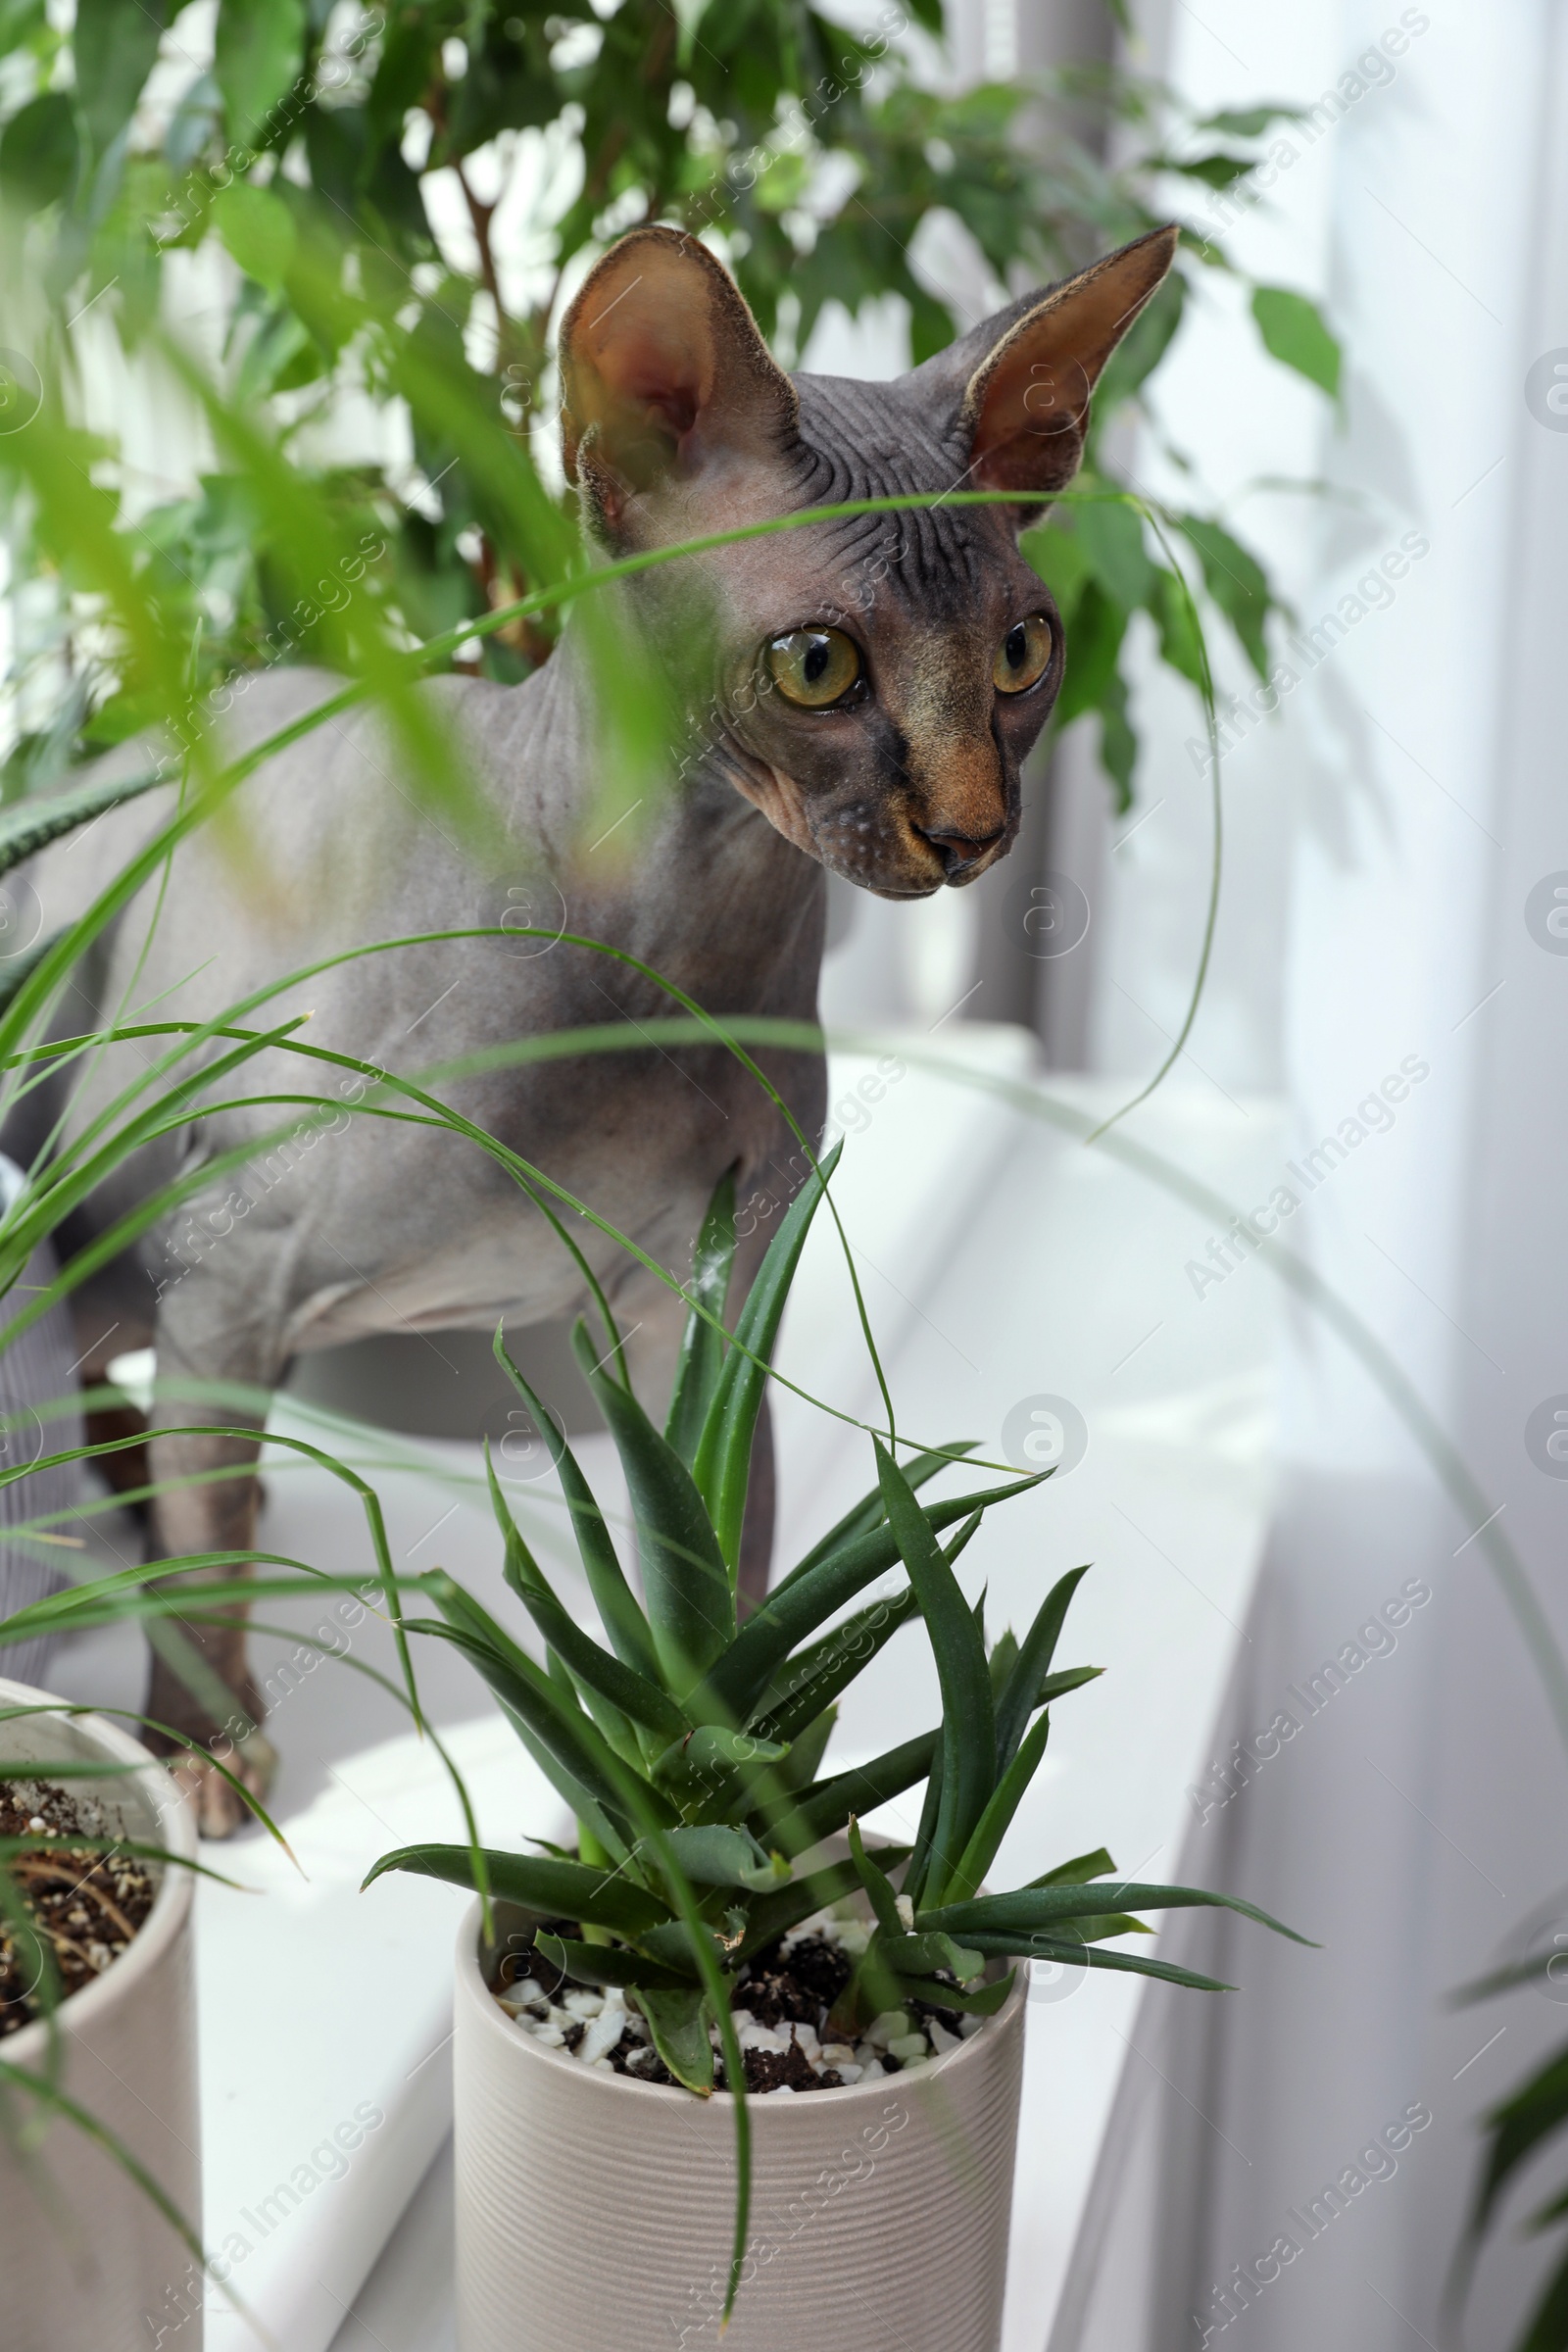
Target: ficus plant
(459, 167)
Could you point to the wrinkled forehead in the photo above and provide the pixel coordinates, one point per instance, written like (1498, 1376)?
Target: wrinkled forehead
(880, 440)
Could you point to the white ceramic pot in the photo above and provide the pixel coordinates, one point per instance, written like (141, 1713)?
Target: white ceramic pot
(596, 2213)
(87, 2264)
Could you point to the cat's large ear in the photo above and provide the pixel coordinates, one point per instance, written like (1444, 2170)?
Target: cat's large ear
(664, 372)
(1025, 407)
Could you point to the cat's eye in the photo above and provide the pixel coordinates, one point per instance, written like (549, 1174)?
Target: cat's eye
(814, 667)
(1024, 655)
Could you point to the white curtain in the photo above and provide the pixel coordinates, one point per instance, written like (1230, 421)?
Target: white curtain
(1290, 2165)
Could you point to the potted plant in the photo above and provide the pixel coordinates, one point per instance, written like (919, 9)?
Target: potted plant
(100, 2172)
(722, 1927)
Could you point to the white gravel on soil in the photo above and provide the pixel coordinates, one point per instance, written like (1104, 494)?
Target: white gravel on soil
(589, 2025)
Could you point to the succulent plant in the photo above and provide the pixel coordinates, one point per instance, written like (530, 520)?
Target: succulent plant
(689, 1742)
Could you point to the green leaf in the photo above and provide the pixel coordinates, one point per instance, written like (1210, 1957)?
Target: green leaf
(814, 1680)
(38, 153)
(1515, 2130)
(618, 1611)
(607, 1964)
(1034, 1908)
(691, 1602)
(702, 1349)
(713, 1855)
(528, 1693)
(923, 1955)
(1294, 332)
(1021, 1696)
(983, 2001)
(1056, 553)
(877, 1885)
(1099, 626)
(258, 228)
(556, 1889)
(1111, 534)
(825, 1809)
(723, 1457)
(259, 53)
(1086, 1955)
(115, 48)
(796, 1607)
(996, 1819)
(631, 1692)
(968, 1723)
(1075, 1873)
(773, 1915)
(678, 2022)
(1180, 642)
(871, 1512)
(1248, 122)
(1118, 744)
(714, 1748)
(1235, 584)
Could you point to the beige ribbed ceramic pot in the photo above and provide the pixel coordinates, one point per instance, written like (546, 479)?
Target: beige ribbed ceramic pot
(86, 2262)
(595, 2214)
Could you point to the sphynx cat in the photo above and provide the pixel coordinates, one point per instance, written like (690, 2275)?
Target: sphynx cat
(877, 737)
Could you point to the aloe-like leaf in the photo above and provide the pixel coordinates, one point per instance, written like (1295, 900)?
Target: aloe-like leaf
(627, 1691)
(967, 1874)
(1082, 1867)
(723, 1461)
(773, 1915)
(812, 1681)
(1515, 2129)
(968, 1722)
(600, 1898)
(607, 1964)
(711, 1753)
(980, 2000)
(871, 1512)
(34, 822)
(878, 1886)
(793, 1612)
(619, 1610)
(691, 1605)
(713, 1854)
(701, 1347)
(806, 1751)
(1111, 1922)
(1020, 1697)
(678, 2022)
(1034, 1908)
(915, 1878)
(1003, 1659)
(804, 1822)
(558, 1720)
(923, 1955)
(1074, 1954)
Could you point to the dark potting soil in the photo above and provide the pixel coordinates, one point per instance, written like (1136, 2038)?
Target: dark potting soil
(87, 1901)
(799, 1990)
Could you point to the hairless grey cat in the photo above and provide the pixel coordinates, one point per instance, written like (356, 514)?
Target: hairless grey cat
(879, 738)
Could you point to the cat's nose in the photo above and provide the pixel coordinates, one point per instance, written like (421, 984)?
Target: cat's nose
(959, 850)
